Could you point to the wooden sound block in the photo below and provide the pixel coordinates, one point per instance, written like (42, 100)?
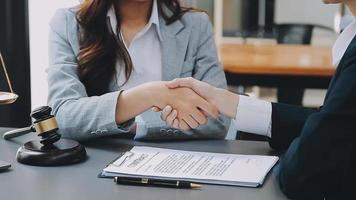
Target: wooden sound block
(63, 152)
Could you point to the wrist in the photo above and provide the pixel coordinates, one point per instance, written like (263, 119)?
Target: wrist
(156, 94)
(227, 102)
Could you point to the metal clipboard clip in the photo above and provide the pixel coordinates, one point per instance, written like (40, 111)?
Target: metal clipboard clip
(127, 157)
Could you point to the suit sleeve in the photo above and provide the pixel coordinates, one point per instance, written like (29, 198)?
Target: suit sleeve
(79, 117)
(287, 123)
(318, 162)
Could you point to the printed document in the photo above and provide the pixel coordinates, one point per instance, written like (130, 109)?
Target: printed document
(200, 167)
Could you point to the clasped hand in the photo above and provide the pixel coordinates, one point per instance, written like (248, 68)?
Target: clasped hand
(200, 101)
(186, 109)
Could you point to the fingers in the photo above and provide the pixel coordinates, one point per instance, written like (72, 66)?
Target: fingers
(165, 112)
(181, 82)
(156, 109)
(205, 113)
(175, 124)
(208, 108)
(194, 120)
(183, 125)
(191, 122)
(171, 117)
(199, 117)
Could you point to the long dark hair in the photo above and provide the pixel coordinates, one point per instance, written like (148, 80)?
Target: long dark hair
(100, 49)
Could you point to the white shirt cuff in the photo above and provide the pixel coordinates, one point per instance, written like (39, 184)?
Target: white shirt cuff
(254, 116)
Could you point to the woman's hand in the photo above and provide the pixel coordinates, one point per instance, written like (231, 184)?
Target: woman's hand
(169, 115)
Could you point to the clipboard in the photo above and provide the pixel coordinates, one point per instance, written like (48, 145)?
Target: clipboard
(198, 167)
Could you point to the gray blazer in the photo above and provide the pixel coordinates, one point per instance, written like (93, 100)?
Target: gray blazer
(188, 50)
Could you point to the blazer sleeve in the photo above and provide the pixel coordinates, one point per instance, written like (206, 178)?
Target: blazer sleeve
(79, 116)
(208, 69)
(320, 162)
(287, 123)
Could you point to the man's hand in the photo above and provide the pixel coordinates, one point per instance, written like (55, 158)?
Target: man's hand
(205, 90)
(224, 100)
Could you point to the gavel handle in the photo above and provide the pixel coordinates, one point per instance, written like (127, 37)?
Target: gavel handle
(18, 132)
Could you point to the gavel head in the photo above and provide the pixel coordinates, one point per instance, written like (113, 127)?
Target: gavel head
(45, 125)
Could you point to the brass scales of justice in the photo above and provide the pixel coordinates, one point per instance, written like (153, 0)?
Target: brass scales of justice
(7, 97)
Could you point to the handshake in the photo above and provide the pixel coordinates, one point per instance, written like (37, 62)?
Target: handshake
(187, 103)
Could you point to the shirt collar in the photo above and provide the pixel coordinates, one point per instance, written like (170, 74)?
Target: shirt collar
(343, 42)
(154, 19)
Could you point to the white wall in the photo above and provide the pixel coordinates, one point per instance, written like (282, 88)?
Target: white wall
(40, 14)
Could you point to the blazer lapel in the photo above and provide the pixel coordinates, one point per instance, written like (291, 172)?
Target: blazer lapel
(174, 45)
(340, 67)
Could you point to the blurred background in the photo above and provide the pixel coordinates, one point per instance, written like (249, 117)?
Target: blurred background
(257, 28)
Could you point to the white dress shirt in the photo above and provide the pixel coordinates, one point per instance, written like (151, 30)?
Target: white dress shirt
(144, 50)
(146, 55)
(255, 116)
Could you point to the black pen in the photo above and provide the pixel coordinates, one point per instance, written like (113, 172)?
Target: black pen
(156, 182)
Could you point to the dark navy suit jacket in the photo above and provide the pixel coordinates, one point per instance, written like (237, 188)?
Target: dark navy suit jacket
(320, 144)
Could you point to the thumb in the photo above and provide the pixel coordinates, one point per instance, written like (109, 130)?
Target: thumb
(173, 84)
(180, 82)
